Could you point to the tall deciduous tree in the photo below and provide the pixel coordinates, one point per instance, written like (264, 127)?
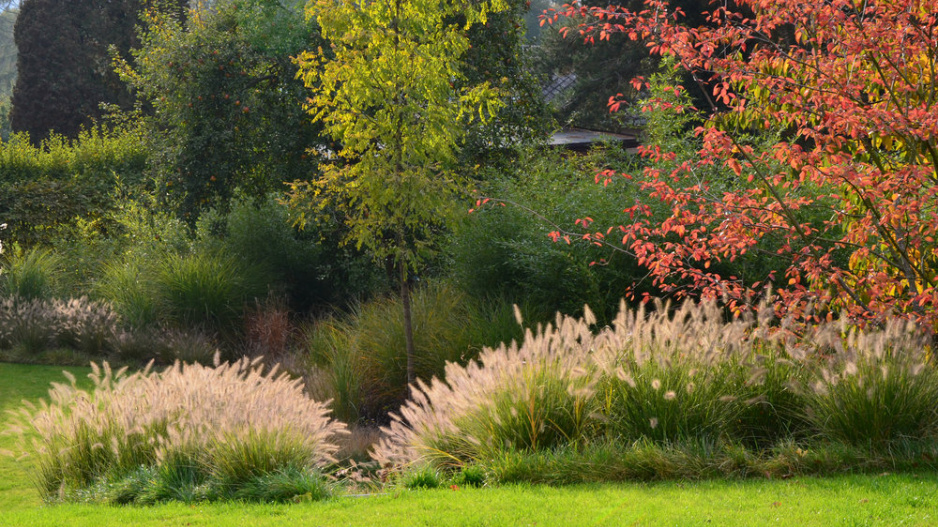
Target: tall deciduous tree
(227, 106)
(388, 92)
(853, 86)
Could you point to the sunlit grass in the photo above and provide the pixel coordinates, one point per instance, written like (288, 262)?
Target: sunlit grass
(680, 392)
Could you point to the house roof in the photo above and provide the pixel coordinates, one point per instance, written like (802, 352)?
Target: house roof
(581, 139)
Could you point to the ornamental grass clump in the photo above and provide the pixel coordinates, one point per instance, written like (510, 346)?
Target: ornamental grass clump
(875, 389)
(78, 323)
(678, 376)
(30, 273)
(534, 396)
(205, 290)
(677, 393)
(665, 376)
(191, 432)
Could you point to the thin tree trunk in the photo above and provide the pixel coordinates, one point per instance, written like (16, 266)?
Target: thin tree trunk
(408, 327)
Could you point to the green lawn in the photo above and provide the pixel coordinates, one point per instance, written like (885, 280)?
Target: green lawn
(907, 499)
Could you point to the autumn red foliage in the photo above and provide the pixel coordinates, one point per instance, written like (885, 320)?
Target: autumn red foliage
(853, 87)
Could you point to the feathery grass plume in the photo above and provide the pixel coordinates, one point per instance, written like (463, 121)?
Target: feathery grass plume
(87, 326)
(37, 324)
(228, 425)
(537, 395)
(664, 376)
(876, 388)
(673, 375)
(29, 324)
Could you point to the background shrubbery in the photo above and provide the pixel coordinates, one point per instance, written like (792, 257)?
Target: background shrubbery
(357, 359)
(45, 189)
(505, 250)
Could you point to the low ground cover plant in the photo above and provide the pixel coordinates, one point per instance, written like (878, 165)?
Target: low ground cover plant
(190, 433)
(675, 393)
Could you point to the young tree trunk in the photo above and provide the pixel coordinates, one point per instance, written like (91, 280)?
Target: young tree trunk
(408, 327)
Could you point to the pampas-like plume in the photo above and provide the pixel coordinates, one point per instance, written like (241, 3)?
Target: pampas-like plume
(665, 375)
(212, 415)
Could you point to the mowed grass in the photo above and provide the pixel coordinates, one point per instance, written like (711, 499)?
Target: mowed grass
(886, 499)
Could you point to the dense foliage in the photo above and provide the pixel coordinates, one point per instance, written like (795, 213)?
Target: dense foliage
(503, 250)
(64, 68)
(851, 87)
(497, 56)
(46, 190)
(167, 238)
(227, 106)
(389, 96)
(605, 67)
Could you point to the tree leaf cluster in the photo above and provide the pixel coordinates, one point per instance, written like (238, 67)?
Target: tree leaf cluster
(226, 105)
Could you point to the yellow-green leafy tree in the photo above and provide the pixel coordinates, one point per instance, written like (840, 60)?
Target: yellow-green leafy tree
(387, 92)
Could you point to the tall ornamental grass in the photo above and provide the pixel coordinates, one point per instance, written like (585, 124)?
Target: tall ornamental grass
(129, 286)
(205, 290)
(33, 326)
(876, 389)
(360, 357)
(674, 380)
(190, 432)
(31, 274)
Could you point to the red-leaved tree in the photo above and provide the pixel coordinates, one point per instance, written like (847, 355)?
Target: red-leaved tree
(852, 85)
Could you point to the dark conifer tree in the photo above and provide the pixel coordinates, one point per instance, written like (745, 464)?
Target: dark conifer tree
(64, 64)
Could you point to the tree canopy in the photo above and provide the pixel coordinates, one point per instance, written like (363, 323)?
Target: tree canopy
(389, 90)
(227, 106)
(851, 85)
